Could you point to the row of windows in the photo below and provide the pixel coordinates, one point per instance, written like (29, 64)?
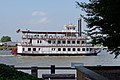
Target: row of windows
(65, 42)
(74, 49)
(62, 42)
(39, 41)
(61, 49)
(30, 49)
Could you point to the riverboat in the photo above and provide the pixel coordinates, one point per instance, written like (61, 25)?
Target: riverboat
(68, 42)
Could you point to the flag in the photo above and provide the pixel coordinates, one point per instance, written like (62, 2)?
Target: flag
(18, 31)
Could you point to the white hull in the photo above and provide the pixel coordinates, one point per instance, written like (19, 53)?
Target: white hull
(54, 51)
(56, 54)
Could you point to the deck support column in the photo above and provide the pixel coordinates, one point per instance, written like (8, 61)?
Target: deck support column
(52, 69)
(34, 71)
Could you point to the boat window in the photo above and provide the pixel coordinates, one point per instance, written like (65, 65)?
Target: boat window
(34, 36)
(37, 41)
(78, 49)
(87, 49)
(83, 49)
(39, 49)
(29, 49)
(67, 28)
(30, 40)
(40, 41)
(68, 42)
(59, 49)
(46, 35)
(73, 28)
(37, 36)
(78, 42)
(64, 49)
(73, 42)
(34, 49)
(59, 42)
(83, 42)
(69, 49)
(23, 49)
(53, 49)
(73, 49)
(49, 41)
(54, 42)
(90, 49)
(63, 41)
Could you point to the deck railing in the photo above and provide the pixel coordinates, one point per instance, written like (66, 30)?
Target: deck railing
(82, 72)
(54, 45)
(51, 36)
(52, 68)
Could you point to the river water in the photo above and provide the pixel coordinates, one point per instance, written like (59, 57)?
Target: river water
(103, 59)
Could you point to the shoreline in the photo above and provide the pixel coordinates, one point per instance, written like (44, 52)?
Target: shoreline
(7, 47)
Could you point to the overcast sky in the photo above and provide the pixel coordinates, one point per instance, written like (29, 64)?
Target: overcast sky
(40, 15)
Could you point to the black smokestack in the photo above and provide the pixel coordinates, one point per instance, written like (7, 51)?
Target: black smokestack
(79, 26)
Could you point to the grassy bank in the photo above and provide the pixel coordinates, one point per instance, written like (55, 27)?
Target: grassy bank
(6, 48)
(9, 73)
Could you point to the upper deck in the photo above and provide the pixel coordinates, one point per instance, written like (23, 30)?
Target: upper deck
(52, 35)
(36, 32)
(70, 31)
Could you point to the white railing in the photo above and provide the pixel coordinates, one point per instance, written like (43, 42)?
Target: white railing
(29, 44)
(51, 36)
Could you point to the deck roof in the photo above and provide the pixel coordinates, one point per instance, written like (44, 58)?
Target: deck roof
(36, 32)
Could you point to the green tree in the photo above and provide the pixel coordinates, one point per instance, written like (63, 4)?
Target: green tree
(10, 73)
(103, 20)
(5, 39)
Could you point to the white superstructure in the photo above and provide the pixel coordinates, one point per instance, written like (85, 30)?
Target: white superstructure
(67, 42)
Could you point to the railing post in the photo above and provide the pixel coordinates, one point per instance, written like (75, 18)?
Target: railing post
(52, 69)
(34, 71)
(80, 75)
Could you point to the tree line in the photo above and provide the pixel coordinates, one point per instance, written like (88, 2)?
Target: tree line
(5, 39)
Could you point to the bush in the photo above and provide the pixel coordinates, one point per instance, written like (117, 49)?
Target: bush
(6, 48)
(9, 73)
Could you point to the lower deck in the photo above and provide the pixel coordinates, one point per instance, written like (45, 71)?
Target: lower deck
(56, 51)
